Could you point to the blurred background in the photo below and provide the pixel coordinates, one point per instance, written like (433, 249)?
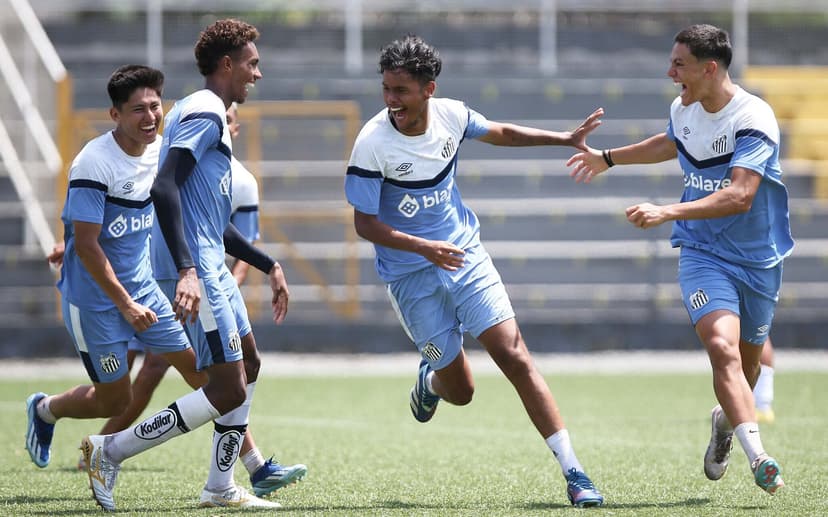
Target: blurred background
(580, 277)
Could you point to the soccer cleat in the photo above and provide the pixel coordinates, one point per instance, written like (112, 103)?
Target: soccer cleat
(234, 497)
(765, 416)
(102, 471)
(272, 476)
(580, 490)
(38, 433)
(717, 455)
(766, 474)
(423, 402)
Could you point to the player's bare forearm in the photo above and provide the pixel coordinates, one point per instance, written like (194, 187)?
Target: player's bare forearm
(656, 149)
(441, 253)
(513, 135)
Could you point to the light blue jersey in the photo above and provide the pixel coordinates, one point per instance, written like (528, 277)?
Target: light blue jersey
(110, 188)
(742, 134)
(408, 182)
(245, 203)
(197, 124)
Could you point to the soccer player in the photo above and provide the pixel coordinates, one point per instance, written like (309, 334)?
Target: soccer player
(266, 476)
(440, 279)
(108, 292)
(731, 225)
(192, 199)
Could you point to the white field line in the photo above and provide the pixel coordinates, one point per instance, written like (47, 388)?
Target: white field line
(310, 365)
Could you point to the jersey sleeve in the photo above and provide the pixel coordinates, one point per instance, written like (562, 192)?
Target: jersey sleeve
(752, 151)
(477, 126)
(88, 186)
(363, 179)
(198, 132)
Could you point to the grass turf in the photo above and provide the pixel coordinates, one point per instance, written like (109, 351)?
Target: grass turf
(640, 437)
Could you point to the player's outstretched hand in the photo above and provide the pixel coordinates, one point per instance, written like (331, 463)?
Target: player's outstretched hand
(187, 296)
(586, 165)
(443, 254)
(139, 316)
(586, 127)
(281, 295)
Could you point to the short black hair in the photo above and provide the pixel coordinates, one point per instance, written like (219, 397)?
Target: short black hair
(128, 78)
(707, 42)
(413, 55)
(223, 38)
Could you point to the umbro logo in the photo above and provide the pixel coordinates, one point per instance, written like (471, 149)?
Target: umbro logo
(128, 187)
(404, 167)
(685, 132)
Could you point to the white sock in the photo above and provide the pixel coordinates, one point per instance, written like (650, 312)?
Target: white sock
(748, 435)
(561, 447)
(43, 410)
(253, 460)
(763, 391)
(228, 434)
(429, 387)
(185, 414)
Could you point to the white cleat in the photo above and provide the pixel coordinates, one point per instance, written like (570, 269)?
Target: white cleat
(717, 455)
(235, 497)
(103, 473)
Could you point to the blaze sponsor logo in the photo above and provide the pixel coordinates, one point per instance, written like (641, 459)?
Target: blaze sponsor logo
(156, 425)
(695, 181)
(698, 300)
(225, 185)
(121, 224)
(227, 450)
(409, 206)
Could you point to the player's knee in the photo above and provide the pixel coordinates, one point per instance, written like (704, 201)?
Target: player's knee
(722, 353)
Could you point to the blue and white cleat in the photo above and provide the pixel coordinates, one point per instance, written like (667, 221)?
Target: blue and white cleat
(423, 402)
(38, 433)
(272, 476)
(580, 490)
(766, 474)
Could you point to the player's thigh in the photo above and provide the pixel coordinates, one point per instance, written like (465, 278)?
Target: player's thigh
(428, 316)
(100, 339)
(706, 286)
(482, 298)
(215, 334)
(759, 294)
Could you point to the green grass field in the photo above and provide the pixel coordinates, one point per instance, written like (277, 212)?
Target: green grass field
(640, 437)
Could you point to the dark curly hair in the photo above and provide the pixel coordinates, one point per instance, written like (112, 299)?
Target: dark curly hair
(128, 78)
(707, 42)
(223, 38)
(413, 55)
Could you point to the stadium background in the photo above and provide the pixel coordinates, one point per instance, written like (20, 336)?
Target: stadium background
(581, 278)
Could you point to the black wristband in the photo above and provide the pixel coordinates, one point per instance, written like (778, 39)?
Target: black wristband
(607, 157)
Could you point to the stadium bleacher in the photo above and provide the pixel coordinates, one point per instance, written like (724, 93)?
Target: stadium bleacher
(580, 276)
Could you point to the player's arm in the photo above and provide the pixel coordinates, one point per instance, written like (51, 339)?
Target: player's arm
(736, 198)
(591, 162)
(441, 253)
(237, 246)
(513, 135)
(55, 258)
(94, 259)
(177, 167)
